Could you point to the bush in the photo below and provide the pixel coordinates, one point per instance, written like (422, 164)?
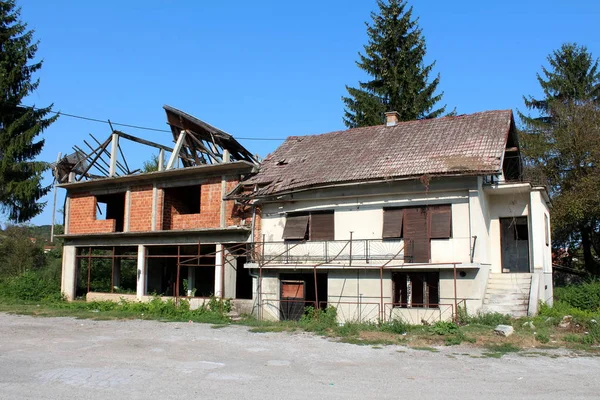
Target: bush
(29, 286)
(444, 328)
(317, 320)
(487, 319)
(585, 296)
(396, 326)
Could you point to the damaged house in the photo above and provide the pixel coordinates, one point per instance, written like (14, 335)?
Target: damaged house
(166, 233)
(408, 220)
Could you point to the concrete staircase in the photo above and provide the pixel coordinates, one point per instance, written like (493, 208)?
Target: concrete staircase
(508, 294)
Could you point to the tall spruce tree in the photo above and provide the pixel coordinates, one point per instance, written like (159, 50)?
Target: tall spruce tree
(561, 144)
(20, 177)
(394, 58)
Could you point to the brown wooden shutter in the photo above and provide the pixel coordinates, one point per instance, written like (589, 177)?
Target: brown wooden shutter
(392, 223)
(433, 288)
(322, 226)
(295, 227)
(415, 230)
(440, 219)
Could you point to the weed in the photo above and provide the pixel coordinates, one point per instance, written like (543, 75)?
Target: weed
(444, 328)
(497, 350)
(395, 326)
(542, 338)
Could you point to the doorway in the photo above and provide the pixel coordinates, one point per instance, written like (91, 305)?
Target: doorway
(514, 239)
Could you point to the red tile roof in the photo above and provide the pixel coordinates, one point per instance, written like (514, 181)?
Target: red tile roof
(466, 144)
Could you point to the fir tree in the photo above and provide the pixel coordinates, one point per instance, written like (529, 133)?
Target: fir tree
(561, 145)
(20, 177)
(394, 58)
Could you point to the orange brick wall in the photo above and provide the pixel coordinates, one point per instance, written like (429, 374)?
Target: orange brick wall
(210, 209)
(82, 216)
(82, 208)
(140, 213)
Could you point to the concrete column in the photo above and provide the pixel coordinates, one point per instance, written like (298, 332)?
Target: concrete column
(230, 276)
(141, 272)
(127, 210)
(67, 214)
(219, 271)
(113, 155)
(154, 206)
(69, 272)
(191, 280)
(537, 235)
(117, 273)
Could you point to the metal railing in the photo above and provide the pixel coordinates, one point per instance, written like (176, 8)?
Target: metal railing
(331, 251)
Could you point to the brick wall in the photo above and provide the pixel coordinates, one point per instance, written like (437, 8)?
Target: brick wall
(83, 210)
(140, 213)
(82, 218)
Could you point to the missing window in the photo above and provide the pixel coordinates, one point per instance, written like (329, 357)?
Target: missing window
(416, 289)
(183, 200)
(111, 206)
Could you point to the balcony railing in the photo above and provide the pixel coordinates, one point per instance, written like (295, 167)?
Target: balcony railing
(343, 252)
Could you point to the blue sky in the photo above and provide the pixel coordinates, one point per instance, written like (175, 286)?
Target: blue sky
(271, 69)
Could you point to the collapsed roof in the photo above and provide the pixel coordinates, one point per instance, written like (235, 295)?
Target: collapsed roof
(466, 144)
(197, 143)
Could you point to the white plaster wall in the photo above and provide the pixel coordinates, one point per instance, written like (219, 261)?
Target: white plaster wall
(364, 216)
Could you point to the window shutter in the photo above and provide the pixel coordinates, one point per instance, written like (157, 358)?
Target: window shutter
(440, 218)
(392, 223)
(415, 229)
(295, 227)
(322, 226)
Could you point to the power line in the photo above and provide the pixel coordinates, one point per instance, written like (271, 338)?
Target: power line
(133, 126)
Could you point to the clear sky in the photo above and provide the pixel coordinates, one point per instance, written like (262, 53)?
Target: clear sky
(271, 69)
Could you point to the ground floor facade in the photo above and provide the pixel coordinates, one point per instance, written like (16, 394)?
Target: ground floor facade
(137, 268)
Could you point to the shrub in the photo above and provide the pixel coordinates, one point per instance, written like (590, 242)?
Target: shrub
(395, 326)
(490, 319)
(585, 296)
(444, 328)
(542, 338)
(29, 286)
(317, 320)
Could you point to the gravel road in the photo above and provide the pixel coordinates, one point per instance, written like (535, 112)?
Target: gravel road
(65, 358)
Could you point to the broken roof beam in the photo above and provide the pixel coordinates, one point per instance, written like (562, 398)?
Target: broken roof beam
(100, 149)
(99, 167)
(106, 152)
(144, 141)
(214, 137)
(204, 149)
(176, 151)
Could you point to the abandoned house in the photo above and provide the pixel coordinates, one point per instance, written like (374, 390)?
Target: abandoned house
(165, 233)
(408, 220)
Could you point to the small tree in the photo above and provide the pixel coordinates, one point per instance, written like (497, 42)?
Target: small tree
(394, 58)
(20, 177)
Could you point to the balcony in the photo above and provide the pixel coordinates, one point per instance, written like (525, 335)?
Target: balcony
(374, 252)
(333, 252)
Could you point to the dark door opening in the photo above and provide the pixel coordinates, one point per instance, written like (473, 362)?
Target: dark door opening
(298, 291)
(515, 244)
(243, 280)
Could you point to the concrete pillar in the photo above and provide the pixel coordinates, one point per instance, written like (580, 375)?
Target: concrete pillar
(69, 272)
(127, 210)
(141, 272)
(191, 278)
(154, 206)
(219, 271)
(230, 275)
(116, 273)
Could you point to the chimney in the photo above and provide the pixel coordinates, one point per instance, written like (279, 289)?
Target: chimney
(391, 118)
